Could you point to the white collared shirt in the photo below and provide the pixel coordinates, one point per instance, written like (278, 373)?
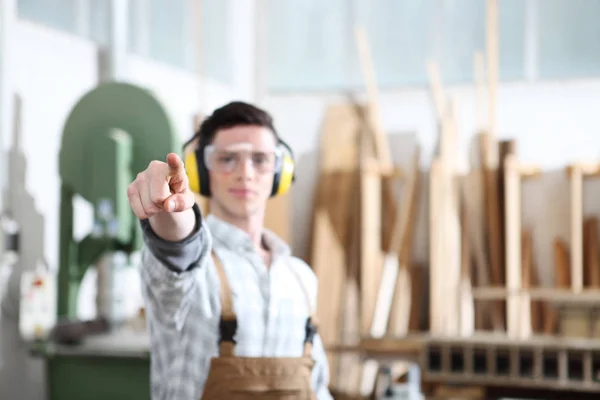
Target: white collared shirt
(181, 294)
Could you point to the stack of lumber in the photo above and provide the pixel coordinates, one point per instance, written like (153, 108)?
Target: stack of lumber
(362, 237)
(499, 275)
(483, 275)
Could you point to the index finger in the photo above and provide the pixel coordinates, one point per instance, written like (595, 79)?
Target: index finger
(175, 163)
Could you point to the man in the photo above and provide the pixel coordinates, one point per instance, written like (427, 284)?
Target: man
(201, 277)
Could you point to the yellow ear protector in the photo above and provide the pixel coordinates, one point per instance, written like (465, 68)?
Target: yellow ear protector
(283, 177)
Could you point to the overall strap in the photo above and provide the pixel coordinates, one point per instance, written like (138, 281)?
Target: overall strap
(312, 322)
(228, 324)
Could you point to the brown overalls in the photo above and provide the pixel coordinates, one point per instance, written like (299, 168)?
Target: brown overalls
(240, 378)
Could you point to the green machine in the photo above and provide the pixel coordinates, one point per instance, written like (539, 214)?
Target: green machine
(112, 133)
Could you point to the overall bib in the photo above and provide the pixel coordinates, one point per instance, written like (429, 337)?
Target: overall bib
(241, 378)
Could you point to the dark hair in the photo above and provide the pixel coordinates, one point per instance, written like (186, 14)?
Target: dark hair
(232, 114)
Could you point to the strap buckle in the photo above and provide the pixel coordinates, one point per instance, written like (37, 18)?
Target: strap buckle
(228, 328)
(311, 331)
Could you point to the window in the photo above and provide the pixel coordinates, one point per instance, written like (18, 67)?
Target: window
(99, 19)
(87, 18)
(308, 44)
(169, 32)
(312, 43)
(216, 37)
(569, 38)
(59, 14)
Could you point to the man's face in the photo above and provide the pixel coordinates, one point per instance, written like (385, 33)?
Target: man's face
(241, 165)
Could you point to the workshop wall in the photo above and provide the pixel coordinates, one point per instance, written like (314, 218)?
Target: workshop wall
(54, 70)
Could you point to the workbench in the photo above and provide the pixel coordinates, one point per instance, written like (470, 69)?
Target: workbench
(113, 366)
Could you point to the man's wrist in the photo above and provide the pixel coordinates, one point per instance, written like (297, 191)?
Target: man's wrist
(175, 226)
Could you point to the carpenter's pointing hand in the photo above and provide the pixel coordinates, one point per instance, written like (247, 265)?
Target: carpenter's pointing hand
(162, 187)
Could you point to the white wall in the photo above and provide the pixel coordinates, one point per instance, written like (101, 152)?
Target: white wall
(554, 123)
(53, 71)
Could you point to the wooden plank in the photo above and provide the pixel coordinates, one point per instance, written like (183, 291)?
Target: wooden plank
(402, 246)
(437, 310)
(339, 154)
(505, 148)
(371, 255)
(529, 280)
(591, 252)
(436, 257)
(350, 363)
(372, 263)
(418, 280)
(437, 90)
(278, 215)
(518, 325)
(451, 218)
(467, 305)
(489, 156)
(577, 229)
(444, 222)
(382, 150)
(561, 279)
(562, 273)
(475, 207)
(444, 392)
(394, 299)
(445, 257)
(493, 222)
(371, 188)
(382, 153)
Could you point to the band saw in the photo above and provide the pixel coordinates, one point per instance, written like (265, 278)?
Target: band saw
(111, 134)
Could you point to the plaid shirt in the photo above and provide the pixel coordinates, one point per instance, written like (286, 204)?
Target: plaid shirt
(181, 294)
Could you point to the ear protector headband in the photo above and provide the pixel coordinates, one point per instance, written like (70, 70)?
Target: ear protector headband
(283, 177)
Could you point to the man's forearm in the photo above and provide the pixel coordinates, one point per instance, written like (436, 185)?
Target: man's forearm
(173, 227)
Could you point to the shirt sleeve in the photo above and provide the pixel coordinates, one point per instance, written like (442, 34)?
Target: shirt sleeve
(168, 272)
(176, 256)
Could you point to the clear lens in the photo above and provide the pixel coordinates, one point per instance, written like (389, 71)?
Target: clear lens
(229, 159)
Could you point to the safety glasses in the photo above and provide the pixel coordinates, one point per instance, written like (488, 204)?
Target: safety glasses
(228, 159)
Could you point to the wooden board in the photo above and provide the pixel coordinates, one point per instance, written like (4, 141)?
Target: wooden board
(562, 280)
(530, 280)
(518, 307)
(591, 253)
(336, 184)
(394, 297)
(492, 214)
(576, 228)
(473, 198)
(398, 319)
(278, 216)
(444, 224)
(350, 364)
(466, 303)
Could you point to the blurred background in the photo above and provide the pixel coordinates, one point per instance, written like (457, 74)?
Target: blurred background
(295, 58)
